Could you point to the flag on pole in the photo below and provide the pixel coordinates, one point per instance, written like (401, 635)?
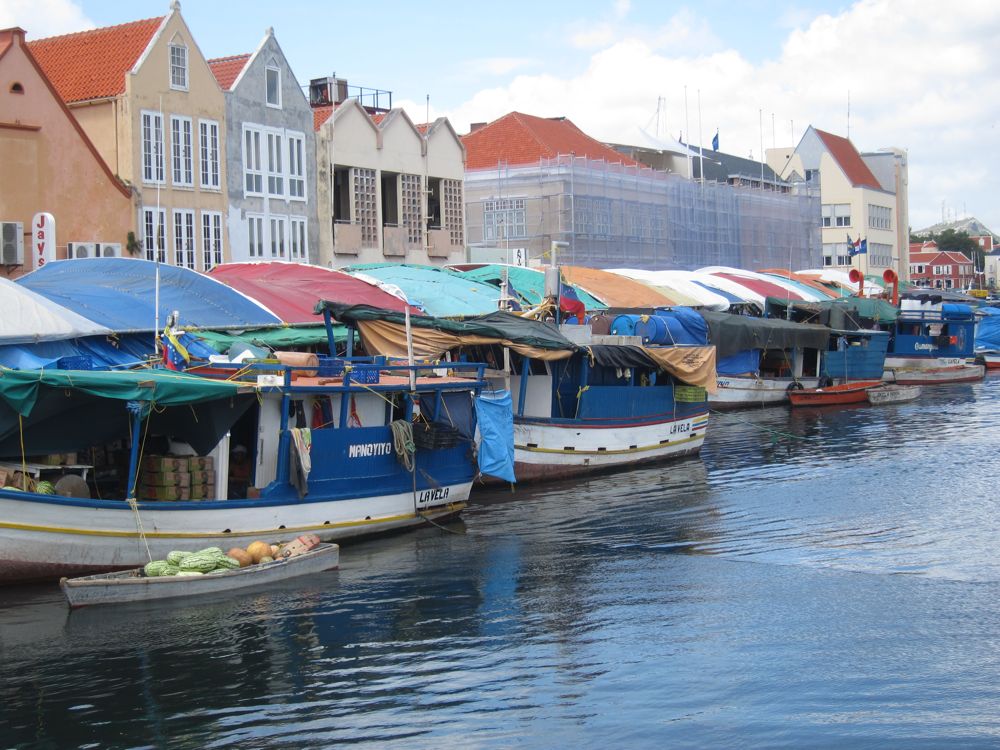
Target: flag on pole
(715, 140)
(569, 302)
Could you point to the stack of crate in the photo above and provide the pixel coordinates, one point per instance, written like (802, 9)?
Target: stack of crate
(178, 477)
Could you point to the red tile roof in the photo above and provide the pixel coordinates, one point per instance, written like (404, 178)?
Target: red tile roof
(377, 118)
(227, 69)
(517, 138)
(849, 159)
(321, 115)
(92, 64)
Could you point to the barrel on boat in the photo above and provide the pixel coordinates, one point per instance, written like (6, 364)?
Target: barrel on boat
(652, 329)
(624, 325)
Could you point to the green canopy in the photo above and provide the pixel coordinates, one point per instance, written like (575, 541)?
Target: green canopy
(499, 325)
(738, 333)
(528, 283)
(846, 313)
(19, 389)
(272, 338)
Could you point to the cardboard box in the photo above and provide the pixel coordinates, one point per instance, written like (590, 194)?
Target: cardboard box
(165, 463)
(298, 545)
(202, 491)
(202, 463)
(165, 493)
(167, 478)
(201, 476)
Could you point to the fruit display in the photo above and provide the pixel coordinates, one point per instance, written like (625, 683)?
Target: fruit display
(211, 560)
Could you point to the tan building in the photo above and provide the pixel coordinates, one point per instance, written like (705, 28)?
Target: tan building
(855, 204)
(146, 96)
(50, 166)
(388, 190)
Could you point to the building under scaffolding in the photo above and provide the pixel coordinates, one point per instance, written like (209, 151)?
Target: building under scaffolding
(615, 216)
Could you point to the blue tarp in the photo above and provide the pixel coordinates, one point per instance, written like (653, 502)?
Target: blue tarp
(686, 326)
(102, 354)
(730, 297)
(119, 293)
(739, 363)
(438, 292)
(495, 412)
(988, 333)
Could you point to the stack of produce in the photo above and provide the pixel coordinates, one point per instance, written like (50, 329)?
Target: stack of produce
(178, 477)
(202, 470)
(211, 560)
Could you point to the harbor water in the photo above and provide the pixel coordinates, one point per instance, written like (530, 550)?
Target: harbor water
(817, 578)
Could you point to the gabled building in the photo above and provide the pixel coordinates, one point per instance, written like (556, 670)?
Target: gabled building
(146, 97)
(388, 190)
(50, 166)
(933, 268)
(270, 157)
(531, 181)
(855, 204)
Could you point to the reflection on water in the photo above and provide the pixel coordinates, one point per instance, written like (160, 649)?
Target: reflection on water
(750, 597)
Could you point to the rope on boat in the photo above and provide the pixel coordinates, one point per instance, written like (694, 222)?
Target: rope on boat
(402, 441)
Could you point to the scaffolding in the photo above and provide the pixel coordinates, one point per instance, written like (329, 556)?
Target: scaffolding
(621, 216)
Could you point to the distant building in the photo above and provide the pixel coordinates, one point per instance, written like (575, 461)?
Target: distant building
(856, 204)
(388, 190)
(531, 181)
(270, 157)
(49, 165)
(933, 268)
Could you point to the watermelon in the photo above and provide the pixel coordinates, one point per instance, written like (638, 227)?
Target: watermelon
(45, 488)
(156, 568)
(200, 562)
(190, 573)
(227, 563)
(266, 559)
(175, 557)
(171, 570)
(211, 551)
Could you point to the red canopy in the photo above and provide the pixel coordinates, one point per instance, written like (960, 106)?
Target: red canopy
(761, 287)
(291, 290)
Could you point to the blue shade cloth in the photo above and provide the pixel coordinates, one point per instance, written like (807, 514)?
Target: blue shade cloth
(119, 293)
(988, 333)
(102, 354)
(686, 326)
(495, 412)
(739, 363)
(439, 293)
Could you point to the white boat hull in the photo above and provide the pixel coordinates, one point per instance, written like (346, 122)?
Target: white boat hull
(548, 450)
(735, 391)
(892, 394)
(44, 540)
(930, 370)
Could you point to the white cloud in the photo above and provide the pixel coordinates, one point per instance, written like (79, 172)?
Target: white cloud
(496, 66)
(920, 76)
(41, 18)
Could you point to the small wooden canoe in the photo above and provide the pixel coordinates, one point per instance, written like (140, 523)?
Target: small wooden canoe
(893, 394)
(832, 395)
(132, 586)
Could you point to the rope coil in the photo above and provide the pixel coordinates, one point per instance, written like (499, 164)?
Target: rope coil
(402, 442)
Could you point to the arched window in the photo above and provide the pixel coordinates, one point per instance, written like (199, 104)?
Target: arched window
(16, 88)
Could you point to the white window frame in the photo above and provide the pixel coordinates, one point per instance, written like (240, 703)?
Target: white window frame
(277, 71)
(256, 236)
(504, 218)
(185, 239)
(253, 173)
(296, 165)
(211, 239)
(148, 242)
(172, 66)
(151, 144)
(181, 151)
(277, 227)
(208, 153)
(274, 140)
(298, 239)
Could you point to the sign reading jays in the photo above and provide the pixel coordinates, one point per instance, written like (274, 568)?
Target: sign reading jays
(43, 239)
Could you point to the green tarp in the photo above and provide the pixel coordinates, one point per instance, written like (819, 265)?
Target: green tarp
(19, 388)
(272, 338)
(846, 313)
(499, 325)
(529, 283)
(738, 333)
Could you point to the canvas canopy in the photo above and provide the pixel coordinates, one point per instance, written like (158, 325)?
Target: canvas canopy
(436, 291)
(615, 290)
(119, 294)
(291, 290)
(678, 285)
(737, 333)
(28, 318)
(527, 283)
(846, 313)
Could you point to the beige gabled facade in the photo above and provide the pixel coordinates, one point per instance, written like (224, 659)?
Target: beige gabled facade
(156, 113)
(388, 190)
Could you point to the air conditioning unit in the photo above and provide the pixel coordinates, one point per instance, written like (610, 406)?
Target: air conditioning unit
(11, 243)
(108, 250)
(81, 250)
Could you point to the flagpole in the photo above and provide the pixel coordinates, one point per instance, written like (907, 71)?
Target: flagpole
(761, 117)
(158, 232)
(701, 150)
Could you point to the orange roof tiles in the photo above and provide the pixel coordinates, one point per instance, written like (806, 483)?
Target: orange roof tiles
(517, 138)
(92, 64)
(227, 69)
(849, 159)
(321, 115)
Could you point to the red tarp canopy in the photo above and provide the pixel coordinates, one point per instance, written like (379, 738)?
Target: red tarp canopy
(291, 290)
(761, 287)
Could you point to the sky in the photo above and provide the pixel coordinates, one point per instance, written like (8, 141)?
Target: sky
(920, 75)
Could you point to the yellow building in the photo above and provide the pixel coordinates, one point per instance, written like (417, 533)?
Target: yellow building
(147, 98)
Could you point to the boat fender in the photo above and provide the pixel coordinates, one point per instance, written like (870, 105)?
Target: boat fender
(794, 386)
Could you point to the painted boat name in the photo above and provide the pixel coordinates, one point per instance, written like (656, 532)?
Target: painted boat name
(366, 450)
(430, 495)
